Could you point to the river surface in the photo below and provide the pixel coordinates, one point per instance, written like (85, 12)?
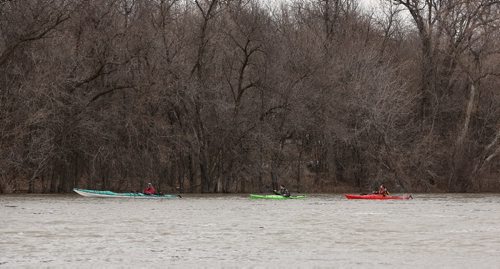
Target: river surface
(326, 231)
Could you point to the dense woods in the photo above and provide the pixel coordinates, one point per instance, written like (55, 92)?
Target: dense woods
(241, 95)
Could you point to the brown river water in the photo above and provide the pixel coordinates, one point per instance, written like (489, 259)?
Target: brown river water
(206, 231)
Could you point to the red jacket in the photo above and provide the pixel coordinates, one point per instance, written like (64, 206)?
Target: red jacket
(149, 190)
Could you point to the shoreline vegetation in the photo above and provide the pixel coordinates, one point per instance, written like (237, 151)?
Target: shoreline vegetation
(213, 96)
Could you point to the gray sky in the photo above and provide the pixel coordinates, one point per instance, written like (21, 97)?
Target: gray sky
(369, 5)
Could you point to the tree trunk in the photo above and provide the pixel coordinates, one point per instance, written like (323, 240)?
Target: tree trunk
(460, 180)
(299, 169)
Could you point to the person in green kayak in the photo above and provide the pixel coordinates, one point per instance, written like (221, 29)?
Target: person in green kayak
(283, 191)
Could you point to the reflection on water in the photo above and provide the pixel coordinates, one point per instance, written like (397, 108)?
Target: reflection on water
(431, 231)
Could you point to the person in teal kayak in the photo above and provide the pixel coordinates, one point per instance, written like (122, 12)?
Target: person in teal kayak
(283, 191)
(149, 190)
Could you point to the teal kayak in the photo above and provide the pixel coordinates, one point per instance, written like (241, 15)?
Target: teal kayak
(275, 197)
(110, 194)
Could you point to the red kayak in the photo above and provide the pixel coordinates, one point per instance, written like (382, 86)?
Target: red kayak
(378, 197)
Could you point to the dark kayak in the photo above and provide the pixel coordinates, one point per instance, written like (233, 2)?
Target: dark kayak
(275, 197)
(378, 197)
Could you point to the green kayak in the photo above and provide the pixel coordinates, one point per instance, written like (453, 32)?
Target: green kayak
(275, 197)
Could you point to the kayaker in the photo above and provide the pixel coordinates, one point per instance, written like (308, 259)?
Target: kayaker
(283, 191)
(149, 190)
(383, 190)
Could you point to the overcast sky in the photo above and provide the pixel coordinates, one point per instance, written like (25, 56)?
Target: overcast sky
(368, 5)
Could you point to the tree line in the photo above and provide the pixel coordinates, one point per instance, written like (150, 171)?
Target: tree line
(242, 95)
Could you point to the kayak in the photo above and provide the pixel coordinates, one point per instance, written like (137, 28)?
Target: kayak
(378, 197)
(110, 194)
(275, 197)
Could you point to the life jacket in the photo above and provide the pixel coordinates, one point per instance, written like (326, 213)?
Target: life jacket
(149, 190)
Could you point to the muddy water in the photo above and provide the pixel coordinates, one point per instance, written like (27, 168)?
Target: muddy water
(431, 231)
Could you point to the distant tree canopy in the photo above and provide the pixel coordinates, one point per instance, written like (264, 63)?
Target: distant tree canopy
(240, 96)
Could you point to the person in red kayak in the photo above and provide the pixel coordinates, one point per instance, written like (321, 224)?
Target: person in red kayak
(383, 190)
(149, 190)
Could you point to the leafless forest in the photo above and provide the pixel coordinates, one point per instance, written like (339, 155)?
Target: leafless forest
(241, 95)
